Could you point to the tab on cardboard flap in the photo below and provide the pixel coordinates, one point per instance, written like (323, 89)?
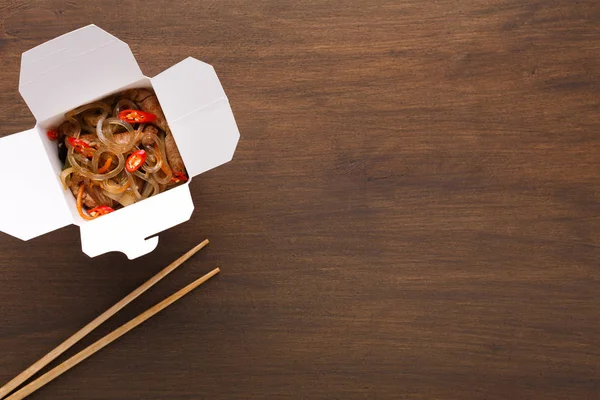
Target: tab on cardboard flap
(32, 201)
(74, 69)
(198, 114)
(126, 230)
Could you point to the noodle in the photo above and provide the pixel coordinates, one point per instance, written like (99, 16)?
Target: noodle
(64, 175)
(96, 166)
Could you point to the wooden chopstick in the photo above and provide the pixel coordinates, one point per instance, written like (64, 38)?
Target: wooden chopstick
(64, 346)
(108, 339)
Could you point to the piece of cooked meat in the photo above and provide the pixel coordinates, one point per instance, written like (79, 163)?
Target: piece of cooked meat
(173, 155)
(74, 184)
(148, 102)
(92, 117)
(66, 129)
(149, 129)
(137, 94)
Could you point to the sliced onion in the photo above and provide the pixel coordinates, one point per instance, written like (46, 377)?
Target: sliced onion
(127, 199)
(114, 196)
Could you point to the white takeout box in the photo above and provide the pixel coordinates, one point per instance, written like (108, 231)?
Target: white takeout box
(83, 66)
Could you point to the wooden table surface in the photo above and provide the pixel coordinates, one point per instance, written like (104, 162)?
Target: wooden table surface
(412, 211)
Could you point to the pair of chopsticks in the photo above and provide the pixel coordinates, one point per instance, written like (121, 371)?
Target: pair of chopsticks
(106, 340)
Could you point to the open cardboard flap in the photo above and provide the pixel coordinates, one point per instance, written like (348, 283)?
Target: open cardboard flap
(73, 69)
(198, 113)
(32, 201)
(127, 229)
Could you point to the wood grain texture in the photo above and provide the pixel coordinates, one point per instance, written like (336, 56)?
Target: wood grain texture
(36, 367)
(412, 211)
(108, 339)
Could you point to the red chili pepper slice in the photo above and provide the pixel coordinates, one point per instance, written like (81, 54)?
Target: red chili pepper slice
(135, 160)
(136, 116)
(80, 146)
(52, 134)
(178, 177)
(99, 211)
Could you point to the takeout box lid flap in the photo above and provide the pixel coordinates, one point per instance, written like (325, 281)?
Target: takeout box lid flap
(127, 229)
(198, 113)
(74, 69)
(32, 201)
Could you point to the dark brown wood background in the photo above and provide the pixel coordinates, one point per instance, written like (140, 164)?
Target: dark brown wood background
(412, 211)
